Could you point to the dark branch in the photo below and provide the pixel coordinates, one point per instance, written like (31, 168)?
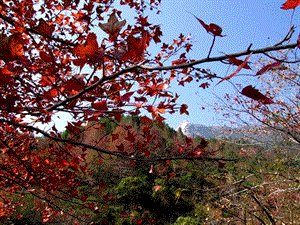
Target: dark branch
(117, 154)
(220, 58)
(31, 30)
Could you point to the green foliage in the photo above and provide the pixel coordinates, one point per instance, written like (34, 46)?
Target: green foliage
(27, 214)
(65, 134)
(186, 221)
(133, 190)
(110, 124)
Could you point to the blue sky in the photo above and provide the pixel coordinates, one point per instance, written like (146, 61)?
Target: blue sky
(261, 23)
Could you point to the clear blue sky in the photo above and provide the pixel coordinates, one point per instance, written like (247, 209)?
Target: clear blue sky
(261, 23)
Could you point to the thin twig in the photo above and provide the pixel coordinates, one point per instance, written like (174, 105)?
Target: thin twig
(211, 47)
(219, 58)
(264, 210)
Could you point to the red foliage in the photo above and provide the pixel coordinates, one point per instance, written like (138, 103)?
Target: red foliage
(269, 67)
(102, 105)
(89, 49)
(12, 47)
(45, 28)
(237, 62)
(290, 4)
(212, 28)
(52, 60)
(136, 47)
(241, 66)
(183, 109)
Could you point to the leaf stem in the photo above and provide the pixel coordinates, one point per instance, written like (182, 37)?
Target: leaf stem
(212, 45)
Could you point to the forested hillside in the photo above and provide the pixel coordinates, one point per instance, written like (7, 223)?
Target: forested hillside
(247, 183)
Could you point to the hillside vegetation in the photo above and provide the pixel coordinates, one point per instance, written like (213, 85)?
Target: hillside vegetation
(248, 185)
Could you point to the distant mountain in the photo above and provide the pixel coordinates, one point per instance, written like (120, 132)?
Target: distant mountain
(250, 133)
(193, 130)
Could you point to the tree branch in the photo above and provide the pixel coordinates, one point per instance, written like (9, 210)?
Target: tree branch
(31, 30)
(117, 154)
(219, 58)
(264, 209)
(89, 88)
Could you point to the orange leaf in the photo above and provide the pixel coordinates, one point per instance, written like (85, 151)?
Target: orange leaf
(47, 80)
(44, 28)
(290, 4)
(89, 49)
(16, 47)
(53, 92)
(5, 75)
(113, 26)
(241, 66)
(11, 48)
(251, 92)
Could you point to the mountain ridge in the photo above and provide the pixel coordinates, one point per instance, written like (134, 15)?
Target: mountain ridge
(251, 133)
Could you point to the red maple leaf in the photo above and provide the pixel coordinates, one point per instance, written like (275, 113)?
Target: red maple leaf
(12, 47)
(136, 47)
(269, 67)
(89, 49)
(183, 109)
(212, 28)
(102, 105)
(251, 92)
(126, 97)
(234, 61)
(46, 57)
(45, 28)
(290, 4)
(241, 66)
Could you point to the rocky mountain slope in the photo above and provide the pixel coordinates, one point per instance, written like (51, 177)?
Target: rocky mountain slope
(251, 133)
